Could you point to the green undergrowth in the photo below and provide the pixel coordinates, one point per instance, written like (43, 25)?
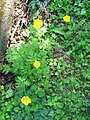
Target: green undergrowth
(59, 88)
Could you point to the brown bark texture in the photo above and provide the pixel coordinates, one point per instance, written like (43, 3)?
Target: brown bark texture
(6, 16)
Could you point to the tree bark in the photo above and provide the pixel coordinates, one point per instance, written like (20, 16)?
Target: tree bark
(6, 15)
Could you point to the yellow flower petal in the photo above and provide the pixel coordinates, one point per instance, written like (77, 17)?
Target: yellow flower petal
(25, 100)
(36, 64)
(37, 23)
(2, 87)
(66, 18)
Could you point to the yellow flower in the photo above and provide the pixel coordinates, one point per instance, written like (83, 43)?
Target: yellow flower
(66, 18)
(25, 100)
(37, 23)
(36, 64)
(2, 87)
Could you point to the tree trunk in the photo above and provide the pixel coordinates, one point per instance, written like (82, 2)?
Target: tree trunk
(6, 15)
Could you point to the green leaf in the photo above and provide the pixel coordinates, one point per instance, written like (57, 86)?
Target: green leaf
(16, 109)
(83, 11)
(6, 68)
(2, 115)
(33, 98)
(38, 106)
(40, 93)
(9, 93)
(35, 106)
(51, 113)
(60, 105)
(59, 31)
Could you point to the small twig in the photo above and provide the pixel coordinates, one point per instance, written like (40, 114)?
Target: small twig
(12, 36)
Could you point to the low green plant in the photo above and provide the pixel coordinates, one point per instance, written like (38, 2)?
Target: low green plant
(58, 87)
(30, 65)
(71, 72)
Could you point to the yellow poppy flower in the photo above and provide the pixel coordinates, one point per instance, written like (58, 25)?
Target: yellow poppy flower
(2, 87)
(37, 23)
(25, 100)
(66, 18)
(36, 64)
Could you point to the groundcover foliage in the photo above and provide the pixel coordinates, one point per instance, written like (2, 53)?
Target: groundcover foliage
(57, 85)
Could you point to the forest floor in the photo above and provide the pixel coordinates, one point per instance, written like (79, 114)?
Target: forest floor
(61, 49)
